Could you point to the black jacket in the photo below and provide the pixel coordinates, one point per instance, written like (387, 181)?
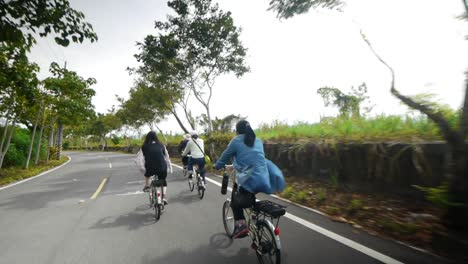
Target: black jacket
(154, 158)
(182, 145)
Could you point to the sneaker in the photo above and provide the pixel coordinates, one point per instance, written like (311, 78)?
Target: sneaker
(146, 189)
(165, 201)
(240, 231)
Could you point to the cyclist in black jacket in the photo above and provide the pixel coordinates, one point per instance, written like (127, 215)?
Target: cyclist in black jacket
(155, 163)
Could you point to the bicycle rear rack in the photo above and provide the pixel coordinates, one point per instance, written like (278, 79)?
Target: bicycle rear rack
(269, 209)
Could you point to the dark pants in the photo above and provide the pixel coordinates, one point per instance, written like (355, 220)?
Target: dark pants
(185, 160)
(240, 200)
(200, 162)
(160, 175)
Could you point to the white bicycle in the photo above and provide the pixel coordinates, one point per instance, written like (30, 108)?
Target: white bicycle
(156, 194)
(260, 218)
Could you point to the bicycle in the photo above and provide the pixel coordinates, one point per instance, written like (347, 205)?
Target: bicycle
(264, 234)
(199, 183)
(155, 196)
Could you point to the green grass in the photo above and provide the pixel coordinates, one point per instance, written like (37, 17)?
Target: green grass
(398, 227)
(321, 194)
(354, 206)
(12, 174)
(379, 128)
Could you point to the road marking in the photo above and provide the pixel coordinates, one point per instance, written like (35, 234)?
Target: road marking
(343, 240)
(110, 165)
(130, 193)
(132, 182)
(99, 189)
(28, 179)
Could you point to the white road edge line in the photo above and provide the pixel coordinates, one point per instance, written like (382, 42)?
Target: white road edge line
(343, 240)
(110, 165)
(28, 179)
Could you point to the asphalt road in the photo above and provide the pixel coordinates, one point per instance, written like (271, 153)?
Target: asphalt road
(52, 219)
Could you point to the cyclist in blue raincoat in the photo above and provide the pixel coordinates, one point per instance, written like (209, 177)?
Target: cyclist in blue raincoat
(254, 173)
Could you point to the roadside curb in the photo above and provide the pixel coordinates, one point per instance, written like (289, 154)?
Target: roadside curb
(37, 176)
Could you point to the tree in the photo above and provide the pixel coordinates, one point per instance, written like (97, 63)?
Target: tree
(457, 214)
(289, 8)
(160, 69)
(349, 105)
(72, 98)
(147, 105)
(193, 48)
(19, 22)
(18, 83)
(20, 19)
(103, 124)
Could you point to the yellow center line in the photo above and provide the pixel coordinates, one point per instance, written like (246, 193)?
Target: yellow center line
(99, 189)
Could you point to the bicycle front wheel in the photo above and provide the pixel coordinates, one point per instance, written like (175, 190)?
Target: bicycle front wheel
(267, 251)
(191, 185)
(228, 219)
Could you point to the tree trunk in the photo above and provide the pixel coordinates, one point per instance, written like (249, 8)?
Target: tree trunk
(179, 121)
(162, 134)
(32, 138)
(188, 115)
(4, 135)
(104, 143)
(51, 138)
(8, 142)
(38, 148)
(59, 141)
(210, 122)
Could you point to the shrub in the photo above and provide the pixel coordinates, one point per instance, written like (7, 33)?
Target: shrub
(19, 148)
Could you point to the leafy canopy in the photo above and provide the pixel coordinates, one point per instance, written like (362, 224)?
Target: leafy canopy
(20, 20)
(72, 95)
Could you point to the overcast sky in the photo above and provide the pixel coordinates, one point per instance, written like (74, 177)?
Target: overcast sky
(289, 59)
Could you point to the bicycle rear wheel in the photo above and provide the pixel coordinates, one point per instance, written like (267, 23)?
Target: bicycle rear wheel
(150, 195)
(228, 219)
(157, 211)
(201, 190)
(267, 251)
(156, 205)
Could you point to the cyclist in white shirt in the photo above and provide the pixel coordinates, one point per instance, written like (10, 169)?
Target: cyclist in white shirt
(195, 147)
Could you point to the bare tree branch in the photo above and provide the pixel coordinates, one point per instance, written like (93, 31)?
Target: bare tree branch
(174, 112)
(448, 133)
(184, 104)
